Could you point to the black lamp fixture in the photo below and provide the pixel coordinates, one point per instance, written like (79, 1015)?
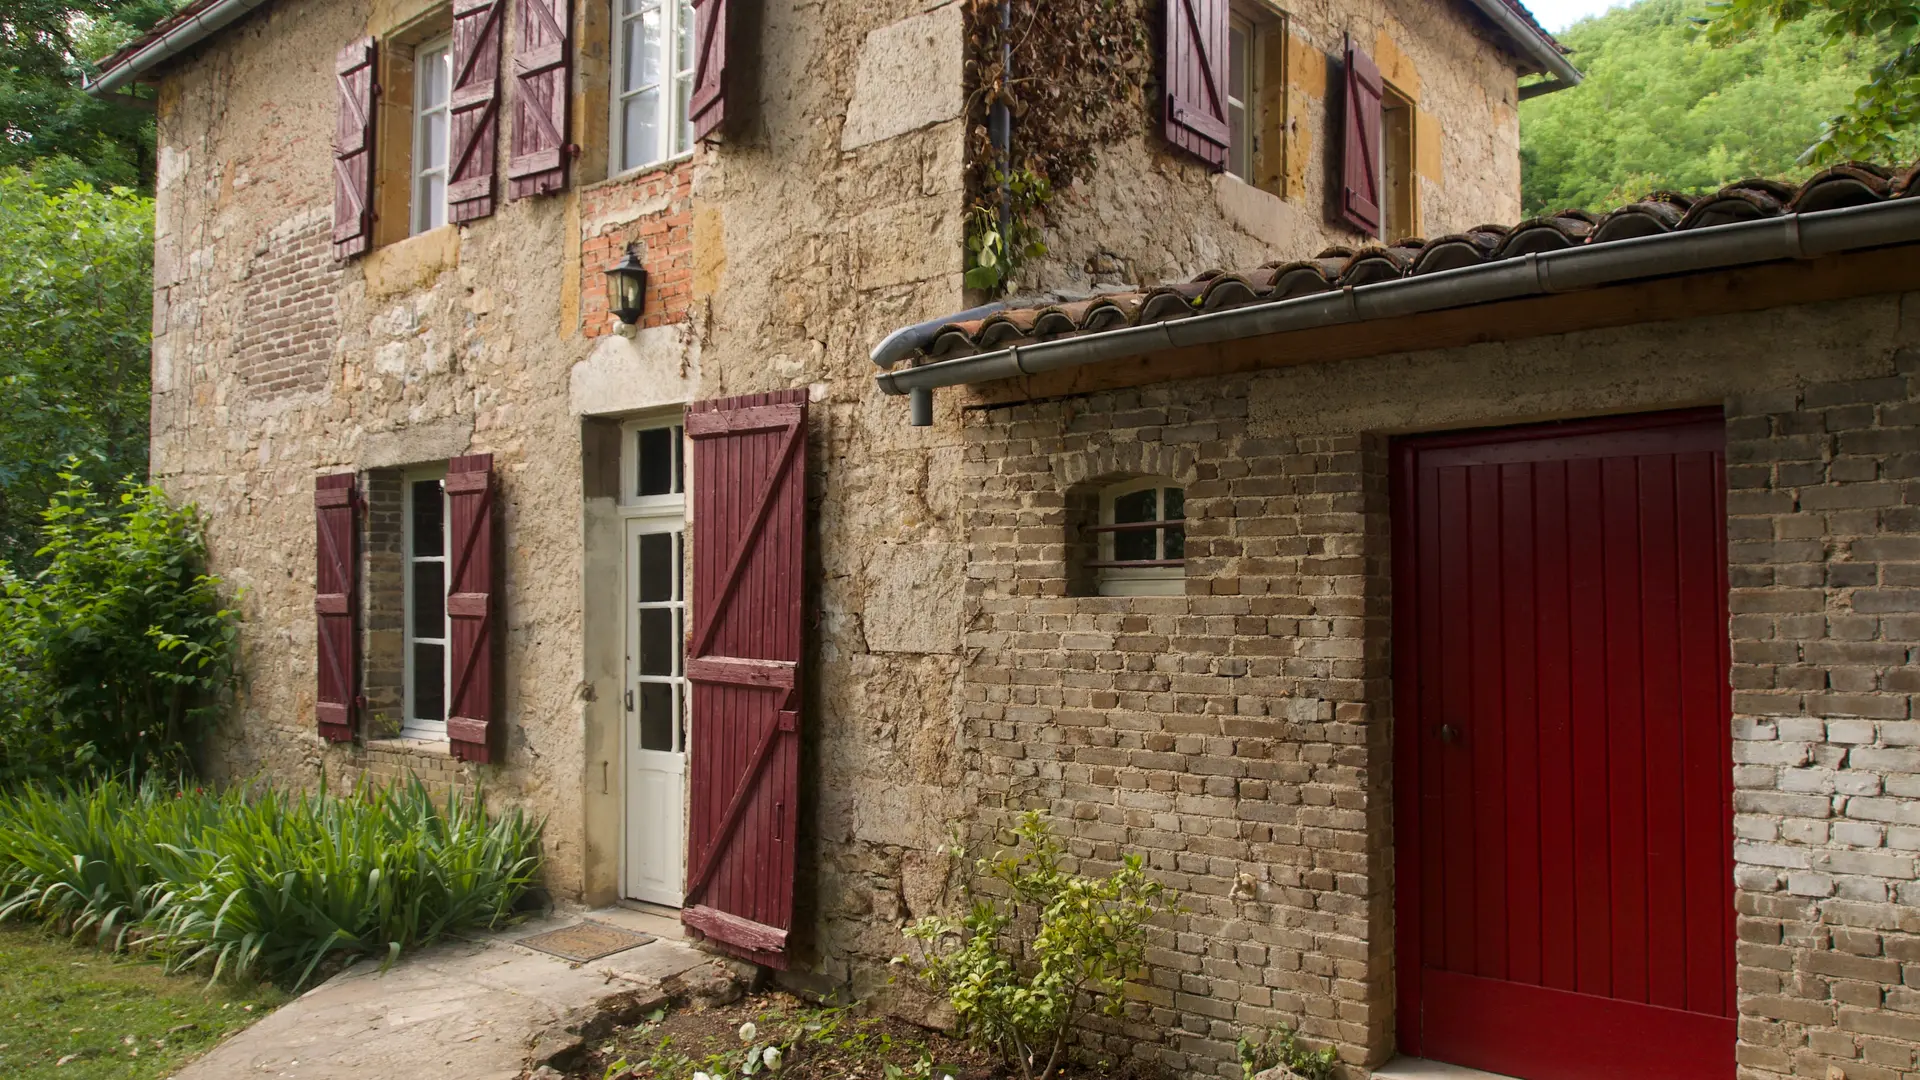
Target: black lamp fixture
(627, 287)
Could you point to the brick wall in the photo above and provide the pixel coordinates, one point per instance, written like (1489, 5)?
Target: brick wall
(286, 335)
(653, 211)
(1824, 508)
(1234, 736)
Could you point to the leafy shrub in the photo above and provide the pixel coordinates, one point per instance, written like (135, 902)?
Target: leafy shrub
(251, 881)
(118, 653)
(1020, 968)
(1284, 1048)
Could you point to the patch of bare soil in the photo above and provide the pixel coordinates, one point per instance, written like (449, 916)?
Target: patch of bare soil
(812, 1042)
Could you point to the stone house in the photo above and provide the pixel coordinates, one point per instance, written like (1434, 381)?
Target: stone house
(664, 566)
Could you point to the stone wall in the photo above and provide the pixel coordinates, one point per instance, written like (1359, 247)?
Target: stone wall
(1240, 736)
(1145, 213)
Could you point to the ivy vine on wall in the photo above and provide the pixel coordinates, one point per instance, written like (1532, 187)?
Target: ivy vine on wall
(1073, 73)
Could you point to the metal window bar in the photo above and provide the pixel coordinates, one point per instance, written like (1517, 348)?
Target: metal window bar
(1137, 526)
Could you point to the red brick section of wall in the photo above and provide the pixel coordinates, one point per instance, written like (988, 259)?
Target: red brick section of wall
(287, 336)
(654, 211)
(1824, 525)
(1235, 736)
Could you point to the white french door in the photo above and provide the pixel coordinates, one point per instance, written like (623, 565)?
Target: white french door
(655, 708)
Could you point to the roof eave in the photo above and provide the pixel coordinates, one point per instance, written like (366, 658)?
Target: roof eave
(1533, 43)
(1788, 237)
(169, 39)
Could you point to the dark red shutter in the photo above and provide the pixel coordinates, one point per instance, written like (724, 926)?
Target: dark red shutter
(1360, 147)
(475, 108)
(335, 589)
(750, 525)
(708, 108)
(353, 151)
(1194, 76)
(472, 555)
(542, 63)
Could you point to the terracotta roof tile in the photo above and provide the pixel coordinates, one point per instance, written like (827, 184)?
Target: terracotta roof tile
(1853, 184)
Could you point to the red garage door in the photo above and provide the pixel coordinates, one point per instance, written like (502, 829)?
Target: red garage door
(1563, 756)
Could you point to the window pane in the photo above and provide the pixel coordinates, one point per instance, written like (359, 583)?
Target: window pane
(429, 682)
(1176, 543)
(656, 566)
(1129, 546)
(649, 45)
(640, 58)
(434, 153)
(436, 72)
(1237, 140)
(656, 716)
(682, 122)
(683, 37)
(640, 130)
(656, 448)
(429, 600)
(679, 453)
(428, 510)
(657, 644)
(1175, 501)
(1138, 506)
(433, 200)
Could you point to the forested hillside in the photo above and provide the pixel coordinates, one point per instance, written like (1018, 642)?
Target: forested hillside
(1663, 109)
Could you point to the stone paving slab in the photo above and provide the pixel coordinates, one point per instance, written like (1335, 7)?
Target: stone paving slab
(467, 1009)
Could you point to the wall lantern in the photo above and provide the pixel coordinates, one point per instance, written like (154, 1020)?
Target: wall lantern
(627, 287)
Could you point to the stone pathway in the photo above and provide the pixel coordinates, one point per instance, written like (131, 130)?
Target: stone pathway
(467, 1009)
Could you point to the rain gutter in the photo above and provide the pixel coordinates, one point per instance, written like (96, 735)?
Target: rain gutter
(168, 43)
(1528, 37)
(1793, 236)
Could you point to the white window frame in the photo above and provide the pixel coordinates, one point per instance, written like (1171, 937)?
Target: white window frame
(420, 212)
(1137, 580)
(1241, 135)
(676, 17)
(410, 726)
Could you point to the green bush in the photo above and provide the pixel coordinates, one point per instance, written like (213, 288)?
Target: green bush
(251, 881)
(1020, 968)
(1284, 1048)
(118, 654)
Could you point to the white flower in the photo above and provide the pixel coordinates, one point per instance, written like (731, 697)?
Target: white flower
(701, 1076)
(748, 1032)
(772, 1058)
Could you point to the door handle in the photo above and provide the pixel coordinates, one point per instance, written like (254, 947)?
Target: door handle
(1448, 734)
(629, 699)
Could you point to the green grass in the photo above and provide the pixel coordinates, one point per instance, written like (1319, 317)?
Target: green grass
(106, 1016)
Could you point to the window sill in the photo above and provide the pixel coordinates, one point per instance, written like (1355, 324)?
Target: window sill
(640, 172)
(413, 744)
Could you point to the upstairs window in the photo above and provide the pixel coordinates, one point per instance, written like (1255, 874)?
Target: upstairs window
(653, 82)
(1256, 96)
(432, 124)
(1141, 540)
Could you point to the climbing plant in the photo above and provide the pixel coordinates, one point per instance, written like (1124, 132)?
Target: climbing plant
(1071, 73)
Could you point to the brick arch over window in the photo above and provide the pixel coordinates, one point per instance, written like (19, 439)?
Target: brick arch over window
(1084, 475)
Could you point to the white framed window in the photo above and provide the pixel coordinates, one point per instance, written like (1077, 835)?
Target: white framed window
(1142, 539)
(1240, 67)
(653, 466)
(653, 82)
(432, 132)
(423, 513)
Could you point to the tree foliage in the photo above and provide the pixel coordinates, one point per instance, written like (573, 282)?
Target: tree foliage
(1880, 119)
(118, 654)
(76, 306)
(50, 125)
(1666, 107)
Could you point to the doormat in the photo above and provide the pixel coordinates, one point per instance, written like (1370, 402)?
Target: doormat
(585, 941)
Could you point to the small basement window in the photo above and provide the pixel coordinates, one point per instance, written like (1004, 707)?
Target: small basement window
(1141, 539)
